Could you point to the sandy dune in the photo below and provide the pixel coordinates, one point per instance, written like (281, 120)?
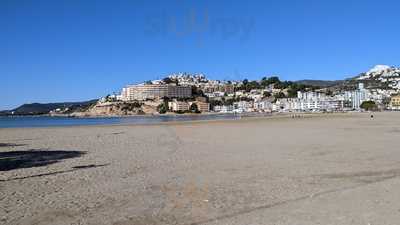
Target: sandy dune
(338, 169)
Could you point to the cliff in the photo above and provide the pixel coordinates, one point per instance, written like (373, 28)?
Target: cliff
(118, 109)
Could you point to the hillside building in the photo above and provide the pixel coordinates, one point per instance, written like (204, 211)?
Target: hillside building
(395, 102)
(176, 106)
(155, 91)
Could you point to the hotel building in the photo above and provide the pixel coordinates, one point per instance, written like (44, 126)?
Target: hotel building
(185, 106)
(155, 91)
(176, 106)
(202, 106)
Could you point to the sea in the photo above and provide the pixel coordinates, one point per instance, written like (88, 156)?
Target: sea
(56, 121)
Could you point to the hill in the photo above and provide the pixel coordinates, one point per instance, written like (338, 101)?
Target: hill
(379, 77)
(45, 108)
(320, 83)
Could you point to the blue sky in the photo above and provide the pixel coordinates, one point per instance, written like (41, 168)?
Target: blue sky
(71, 50)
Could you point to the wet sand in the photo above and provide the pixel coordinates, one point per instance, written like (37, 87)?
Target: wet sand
(328, 169)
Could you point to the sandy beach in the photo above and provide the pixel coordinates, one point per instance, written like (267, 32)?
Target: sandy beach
(328, 169)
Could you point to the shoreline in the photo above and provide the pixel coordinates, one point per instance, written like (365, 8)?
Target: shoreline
(234, 118)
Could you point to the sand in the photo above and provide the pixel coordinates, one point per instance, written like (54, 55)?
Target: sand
(338, 169)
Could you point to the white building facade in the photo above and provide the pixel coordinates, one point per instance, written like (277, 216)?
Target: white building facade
(154, 91)
(357, 97)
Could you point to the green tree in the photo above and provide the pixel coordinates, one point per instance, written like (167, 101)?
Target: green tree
(267, 94)
(194, 108)
(167, 80)
(197, 92)
(271, 80)
(369, 106)
(253, 85)
(214, 103)
(292, 92)
(274, 80)
(162, 108)
(228, 101)
(283, 85)
(279, 95)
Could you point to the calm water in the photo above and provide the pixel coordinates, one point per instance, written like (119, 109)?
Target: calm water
(46, 121)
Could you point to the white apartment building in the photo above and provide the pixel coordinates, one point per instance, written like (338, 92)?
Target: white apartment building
(307, 105)
(242, 106)
(223, 108)
(264, 106)
(178, 106)
(155, 91)
(202, 106)
(357, 97)
(317, 101)
(215, 94)
(311, 95)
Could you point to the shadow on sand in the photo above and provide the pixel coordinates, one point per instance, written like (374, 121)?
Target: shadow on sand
(12, 160)
(3, 145)
(75, 168)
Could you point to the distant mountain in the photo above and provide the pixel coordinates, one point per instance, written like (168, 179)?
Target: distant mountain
(40, 108)
(320, 83)
(4, 112)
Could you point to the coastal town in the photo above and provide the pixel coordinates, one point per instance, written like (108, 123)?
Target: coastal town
(377, 89)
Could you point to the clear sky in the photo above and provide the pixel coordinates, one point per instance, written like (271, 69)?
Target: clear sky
(52, 51)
